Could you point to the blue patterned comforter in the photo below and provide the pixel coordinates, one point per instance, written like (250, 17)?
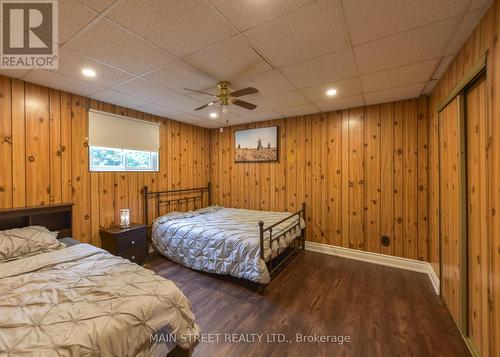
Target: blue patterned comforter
(222, 240)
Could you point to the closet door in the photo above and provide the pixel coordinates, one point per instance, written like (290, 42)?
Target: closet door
(452, 210)
(477, 215)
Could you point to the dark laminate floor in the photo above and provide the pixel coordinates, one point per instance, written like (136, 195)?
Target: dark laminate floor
(385, 311)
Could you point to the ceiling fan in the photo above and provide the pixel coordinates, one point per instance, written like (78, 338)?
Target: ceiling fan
(225, 97)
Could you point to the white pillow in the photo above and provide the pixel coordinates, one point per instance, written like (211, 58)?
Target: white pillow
(22, 242)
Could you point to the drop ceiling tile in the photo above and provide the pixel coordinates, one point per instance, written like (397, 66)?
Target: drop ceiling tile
(189, 120)
(181, 103)
(268, 83)
(246, 14)
(298, 110)
(159, 110)
(179, 75)
(345, 88)
(399, 77)
(208, 124)
(117, 98)
(282, 100)
(237, 120)
(108, 43)
(58, 81)
(465, 29)
(260, 116)
(368, 20)
(73, 16)
(180, 27)
(146, 90)
(443, 65)
(232, 119)
(229, 60)
(216, 125)
(97, 5)
(198, 123)
(394, 94)
(409, 47)
(429, 87)
(14, 73)
(71, 64)
(328, 68)
(311, 31)
(476, 4)
(186, 116)
(341, 103)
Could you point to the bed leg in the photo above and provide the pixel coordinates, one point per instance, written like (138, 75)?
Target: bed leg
(304, 230)
(261, 289)
(261, 233)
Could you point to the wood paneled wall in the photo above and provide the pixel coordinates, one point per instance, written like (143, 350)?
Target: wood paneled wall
(362, 173)
(452, 273)
(486, 285)
(477, 210)
(44, 157)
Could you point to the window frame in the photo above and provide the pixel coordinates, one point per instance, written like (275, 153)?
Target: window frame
(123, 167)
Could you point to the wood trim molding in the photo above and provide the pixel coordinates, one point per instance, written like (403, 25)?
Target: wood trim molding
(474, 72)
(462, 177)
(380, 259)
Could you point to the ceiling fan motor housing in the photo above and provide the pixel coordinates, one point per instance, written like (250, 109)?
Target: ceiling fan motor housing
(224, 93)
(225, 97)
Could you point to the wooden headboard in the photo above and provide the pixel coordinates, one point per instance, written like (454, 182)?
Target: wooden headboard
(53, 217)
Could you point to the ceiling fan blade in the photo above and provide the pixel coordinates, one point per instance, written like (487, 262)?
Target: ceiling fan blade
(244, 104)
(244, 91)
(206, 105)
(203, 106)
(199, 91)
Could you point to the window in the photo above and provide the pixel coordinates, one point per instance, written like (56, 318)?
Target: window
(111, 159)
(119, 143)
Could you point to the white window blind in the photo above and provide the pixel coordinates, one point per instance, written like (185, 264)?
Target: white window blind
(116, 131)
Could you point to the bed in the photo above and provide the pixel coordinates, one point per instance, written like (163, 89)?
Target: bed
(80, 300)
(249, 244)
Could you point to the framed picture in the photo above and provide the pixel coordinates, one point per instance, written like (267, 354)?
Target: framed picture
(256, 145)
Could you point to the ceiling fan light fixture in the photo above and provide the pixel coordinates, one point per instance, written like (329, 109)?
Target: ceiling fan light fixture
(224, 113)
(331, 92)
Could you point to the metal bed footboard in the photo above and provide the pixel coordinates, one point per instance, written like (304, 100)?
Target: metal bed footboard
(274, 265)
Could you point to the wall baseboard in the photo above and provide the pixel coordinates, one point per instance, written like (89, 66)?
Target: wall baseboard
(376, 258)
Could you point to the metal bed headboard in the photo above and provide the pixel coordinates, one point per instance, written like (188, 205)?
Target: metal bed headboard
(176, 198)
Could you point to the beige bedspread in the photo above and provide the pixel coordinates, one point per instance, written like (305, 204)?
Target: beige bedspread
(83, 301)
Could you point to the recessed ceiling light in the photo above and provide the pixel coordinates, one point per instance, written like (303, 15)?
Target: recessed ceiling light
(331, 92)
(88, 72)
(213, 115)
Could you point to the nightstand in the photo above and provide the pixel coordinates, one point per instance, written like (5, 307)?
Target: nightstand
(129, 243)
